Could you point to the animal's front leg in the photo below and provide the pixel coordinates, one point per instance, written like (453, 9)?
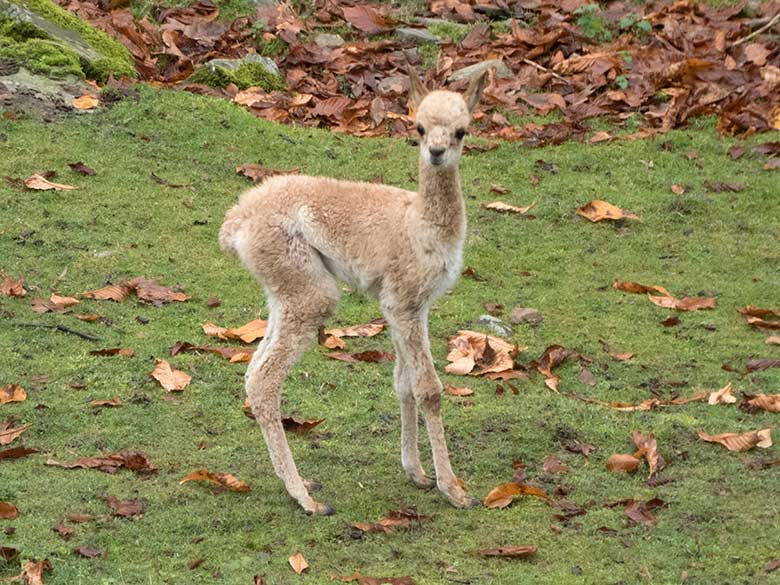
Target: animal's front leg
(410, 453)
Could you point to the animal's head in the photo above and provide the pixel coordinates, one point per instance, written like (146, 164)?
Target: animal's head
(442, 119)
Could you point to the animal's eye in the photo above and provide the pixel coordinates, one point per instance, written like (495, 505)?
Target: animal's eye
(460, 133)
(420, 129)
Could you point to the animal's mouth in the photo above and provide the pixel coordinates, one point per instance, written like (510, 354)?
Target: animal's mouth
(437, 161)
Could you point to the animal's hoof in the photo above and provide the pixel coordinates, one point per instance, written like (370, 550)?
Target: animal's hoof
(321, 510)
(312, 485)
(424, 482)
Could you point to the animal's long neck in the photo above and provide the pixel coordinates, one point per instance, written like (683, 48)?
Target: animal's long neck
(440, 202)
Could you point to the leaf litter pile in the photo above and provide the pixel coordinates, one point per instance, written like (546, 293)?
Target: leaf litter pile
(667, 61)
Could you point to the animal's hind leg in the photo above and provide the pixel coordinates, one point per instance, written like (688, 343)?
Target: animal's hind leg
(296, 319)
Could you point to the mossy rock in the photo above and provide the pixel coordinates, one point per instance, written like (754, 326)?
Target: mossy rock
(251, 71)
(71, 47)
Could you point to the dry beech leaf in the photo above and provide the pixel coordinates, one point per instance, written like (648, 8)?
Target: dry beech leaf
(453, 391)
(82, 169)
(12, 393)
(509, 552)
(740, 441)
(8, 511)
(641, 513)
(126, 351)
(170, 379)
(115, 401)
(298, 563)
(247, 333)
(10, 287)
(298, 425)
(40, 183)
(636, 288)
(234, 354)
(678, 189)
(753, 403)
(761, 364)
(136, 461)
(366, 18)
(66, 532)
(55, 304)
(32, 572)
(722, 396)
(113, 292)
(648, 404)
(502, 207)
(553, 465)
(224, 479)
(125, 508)
(88, 552)
(476, 353)
(85, 102)
(622, 462)
(16, 452)
(684, 304)
(502, 495)
(365, 580)
(648, 447)
(393, 520)
(9, 433)
(773, 340)
(598, 210)
(370, 356)
(363, 330)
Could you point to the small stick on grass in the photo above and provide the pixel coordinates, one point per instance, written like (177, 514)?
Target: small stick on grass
(59, 328)
(755, 33)
(543, 68)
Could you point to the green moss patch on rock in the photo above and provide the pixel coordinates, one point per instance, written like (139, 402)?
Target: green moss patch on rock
(67, 38)
(252, 71)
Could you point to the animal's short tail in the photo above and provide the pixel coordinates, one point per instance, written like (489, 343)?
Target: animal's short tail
(232, 223)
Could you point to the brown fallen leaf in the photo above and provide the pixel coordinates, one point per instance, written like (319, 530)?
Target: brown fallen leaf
(553, 465)
(136, 461)
(170, 379)
(88, 552)
(509, 552)
(502, 495)
(12, 393)
(754, 402)
(476, 354)
(367, 18)
(234, 354)
(648, 404)
(672, 321)
(498, 188)
(115, 401)
(641, 512)
(55, 304)
(298, 563)
(125, 508)
(8, 511)
(80, 518)
(224, 479)
(364, 580)
(16, 452)
(678, 189)
(81, 169)
(10, 287)
(762, 324)
(113, 292)
(722, 396)
(298, 425)
(502, 207)
(8, 553)
(257, 173)
(247, 333)
(648, 447)
(371, 356)
(39, 183)
(127, 352)
(684, 304)
(740, 441)
(453, 391)
(32, 571)
(88, 317)
(85, 102)
(65, 532)
(773, 340)
(9, 433)
(151, 291)
(598, 210)
(622, 462)
(363, 330)
(761, 364)
(636, 288)
(393, 520)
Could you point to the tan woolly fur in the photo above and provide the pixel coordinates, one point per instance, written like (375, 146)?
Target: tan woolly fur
(300, 235)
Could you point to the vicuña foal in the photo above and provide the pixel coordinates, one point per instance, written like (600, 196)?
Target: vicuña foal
(299, 235)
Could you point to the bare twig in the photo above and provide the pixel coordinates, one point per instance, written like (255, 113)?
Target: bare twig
(542, 68)
(58, 328)
(755, 33)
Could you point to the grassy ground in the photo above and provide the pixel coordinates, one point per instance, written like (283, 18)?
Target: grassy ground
(721, 525)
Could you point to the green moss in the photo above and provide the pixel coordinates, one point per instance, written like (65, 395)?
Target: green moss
(246, 75)
(451, 30)
(429, 52)
(18, 31)
(42, 56)
(115, 58)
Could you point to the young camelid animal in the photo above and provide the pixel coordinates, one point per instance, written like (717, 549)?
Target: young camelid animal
(298, 235)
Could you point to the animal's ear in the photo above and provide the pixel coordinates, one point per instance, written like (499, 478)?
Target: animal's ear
(417, 91)
(474, 91)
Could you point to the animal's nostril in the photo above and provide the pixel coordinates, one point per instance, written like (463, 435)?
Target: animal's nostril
(437, 151)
